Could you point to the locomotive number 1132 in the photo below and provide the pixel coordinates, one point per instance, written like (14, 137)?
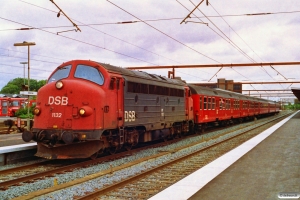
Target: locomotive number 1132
(57, 115)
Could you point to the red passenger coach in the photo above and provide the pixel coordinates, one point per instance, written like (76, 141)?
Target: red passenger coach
(213, 107)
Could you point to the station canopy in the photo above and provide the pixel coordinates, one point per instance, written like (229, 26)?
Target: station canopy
(296, 92)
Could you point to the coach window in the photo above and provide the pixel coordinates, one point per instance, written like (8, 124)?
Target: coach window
(209, 103)
(60, 73)
(205, 103)
(89, 73)
(213, 103)
(226, 104)
(14, 103)
(221, 104)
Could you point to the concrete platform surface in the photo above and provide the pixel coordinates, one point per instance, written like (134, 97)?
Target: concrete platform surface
(272, 167)
(11, 139)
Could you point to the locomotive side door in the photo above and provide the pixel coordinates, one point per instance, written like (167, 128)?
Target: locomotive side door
(113, 108)
(120, 100)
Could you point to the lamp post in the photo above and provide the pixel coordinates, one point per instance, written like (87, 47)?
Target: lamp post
(28, 44)
(24, 63)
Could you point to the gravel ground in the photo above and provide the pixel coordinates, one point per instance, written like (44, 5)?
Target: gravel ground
(79, 190)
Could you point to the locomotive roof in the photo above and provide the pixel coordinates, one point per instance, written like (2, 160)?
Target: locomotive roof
(140, 74)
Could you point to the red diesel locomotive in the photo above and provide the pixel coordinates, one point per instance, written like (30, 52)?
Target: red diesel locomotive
(87, 107)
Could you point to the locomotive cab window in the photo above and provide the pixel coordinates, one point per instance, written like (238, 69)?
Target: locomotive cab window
(112, 83)
(60, 73)
(89, 73)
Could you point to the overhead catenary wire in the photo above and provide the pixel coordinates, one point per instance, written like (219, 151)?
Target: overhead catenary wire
(244, 40)
(100, 31)
(231, 42)
(106, 49)
(31, 68)
(164, 33)
(213, 31)
(216, 33)
(30, 59)
(90, 26)
(33, 54)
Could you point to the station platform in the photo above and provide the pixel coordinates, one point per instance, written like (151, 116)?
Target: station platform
(264, 167)
(11, 139)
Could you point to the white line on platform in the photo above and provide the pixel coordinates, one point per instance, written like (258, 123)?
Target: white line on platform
(18, 147)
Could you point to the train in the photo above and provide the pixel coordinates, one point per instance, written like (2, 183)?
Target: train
(87, 108)
(9, 105)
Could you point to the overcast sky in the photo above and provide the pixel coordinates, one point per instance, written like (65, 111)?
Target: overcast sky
(155, 37)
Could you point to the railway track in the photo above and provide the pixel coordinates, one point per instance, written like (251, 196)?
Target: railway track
(28, 173)
(35, 171)
(141, 172)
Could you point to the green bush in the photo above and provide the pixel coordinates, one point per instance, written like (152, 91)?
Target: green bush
(22, 112)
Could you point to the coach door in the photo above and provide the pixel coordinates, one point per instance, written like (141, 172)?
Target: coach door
(4, 106)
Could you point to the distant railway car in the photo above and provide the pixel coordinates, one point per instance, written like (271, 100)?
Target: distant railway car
(87, 107)
(15, 104)
(9, 106)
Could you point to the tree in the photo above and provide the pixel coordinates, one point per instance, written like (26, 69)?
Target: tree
(15, 86)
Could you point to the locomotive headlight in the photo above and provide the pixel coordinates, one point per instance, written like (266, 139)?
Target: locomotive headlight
(85, 111)
(81, 111)
(59, 85)
(36, 111)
